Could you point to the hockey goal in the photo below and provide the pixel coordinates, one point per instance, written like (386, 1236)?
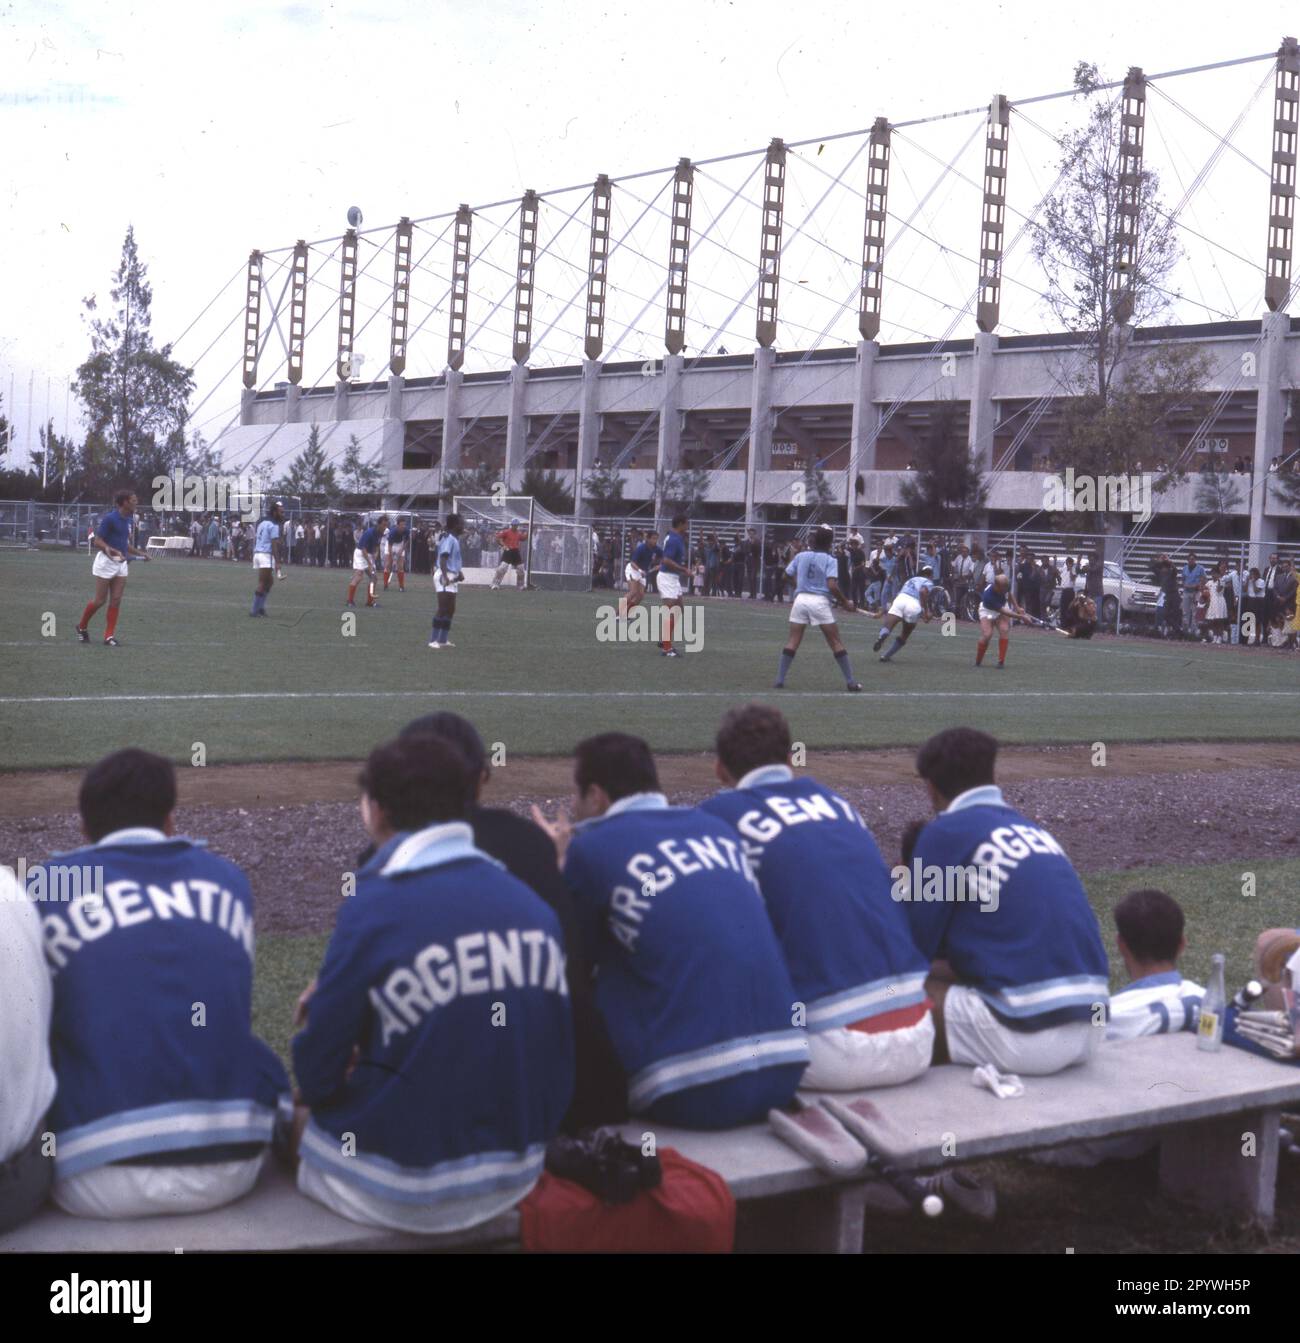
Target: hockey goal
(556, 551)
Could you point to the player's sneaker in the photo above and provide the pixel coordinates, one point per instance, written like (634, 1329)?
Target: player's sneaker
(110, 642)
(875, 647)
(374, 606)
(434, 645)
(83, 635)
(671, 653)
(449, 644)
(351, 604)
(1001, 666)
(853, 686)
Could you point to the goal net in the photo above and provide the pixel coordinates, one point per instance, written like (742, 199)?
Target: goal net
(556, 551)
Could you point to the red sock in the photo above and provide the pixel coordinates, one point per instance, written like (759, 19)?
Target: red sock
(87, 615)
(388, 573)
(112, 621)
(401, 580)
(352, 590)
(980, 649)
(1002, 649)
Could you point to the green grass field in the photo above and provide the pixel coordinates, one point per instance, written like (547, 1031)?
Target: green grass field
(529, 669)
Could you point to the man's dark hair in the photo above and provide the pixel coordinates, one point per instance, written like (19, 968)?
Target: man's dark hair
(621, 764)
(453, 728)
(679, 521)
(1151, 924)
(907, 843)
(122, 496)
(454, 523)
(127, 788)
(956, 759)
(419, 781)
(822, 538)
(751, 736)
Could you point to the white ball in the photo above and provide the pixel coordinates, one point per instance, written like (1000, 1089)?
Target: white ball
(932, 1205)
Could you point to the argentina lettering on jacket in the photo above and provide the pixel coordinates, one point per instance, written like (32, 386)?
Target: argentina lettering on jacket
(848, 945)
(449, 974)
(1038, 961)
(691, 982)
(151, 1038)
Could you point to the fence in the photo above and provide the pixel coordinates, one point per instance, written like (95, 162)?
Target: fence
(1125, 592)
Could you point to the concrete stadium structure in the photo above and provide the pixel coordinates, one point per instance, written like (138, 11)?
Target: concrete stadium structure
(781, 411)
(766, 426)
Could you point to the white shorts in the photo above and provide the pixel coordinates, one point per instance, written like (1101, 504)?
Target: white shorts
(633, 574)
(360, 562)
(360, 1205)
(398, 551)
(670, 585)
(906, 608)
(152, 1191)
(103, 567)
(986, 614)
(811, 608)
(975, 1036)
(261, 560)
(439, 586)
(848, 1060)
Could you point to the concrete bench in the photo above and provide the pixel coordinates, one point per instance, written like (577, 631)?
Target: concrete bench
(1198, 1105)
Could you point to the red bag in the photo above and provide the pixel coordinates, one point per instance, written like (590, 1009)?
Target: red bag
(691, 1212)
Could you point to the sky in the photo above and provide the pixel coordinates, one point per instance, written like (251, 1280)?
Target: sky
(218, 128)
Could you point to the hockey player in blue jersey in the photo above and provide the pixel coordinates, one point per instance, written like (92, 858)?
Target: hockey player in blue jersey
(437, 1054)
(847, 943)
(641, 560)
(1021, 979)
(690, 980)
(911, 604)
(166, 1100)
(816, 584)
(365, 560)
(674, 573)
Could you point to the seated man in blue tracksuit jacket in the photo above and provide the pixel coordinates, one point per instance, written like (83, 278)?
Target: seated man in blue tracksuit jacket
(848, 944)
(689, 977)
(166, 1100)
(437, 1055)
(1020, 978)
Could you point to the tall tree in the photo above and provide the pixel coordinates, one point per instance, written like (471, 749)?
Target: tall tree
(547, 489)
(1117, 395)
(683, 490)
(136, 397)
(1217, 493)
(360, 477)
(946, 488)
(603, 488)
(309, 477)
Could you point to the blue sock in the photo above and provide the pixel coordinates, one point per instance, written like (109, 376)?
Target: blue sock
(893, 648)
(842, 657)
(786, 659)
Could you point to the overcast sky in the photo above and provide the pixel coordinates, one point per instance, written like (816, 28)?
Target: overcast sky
(217, 127)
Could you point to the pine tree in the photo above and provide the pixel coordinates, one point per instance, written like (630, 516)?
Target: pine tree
(309, 478)
(136, 397)
(946, 487)
(360, 478)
